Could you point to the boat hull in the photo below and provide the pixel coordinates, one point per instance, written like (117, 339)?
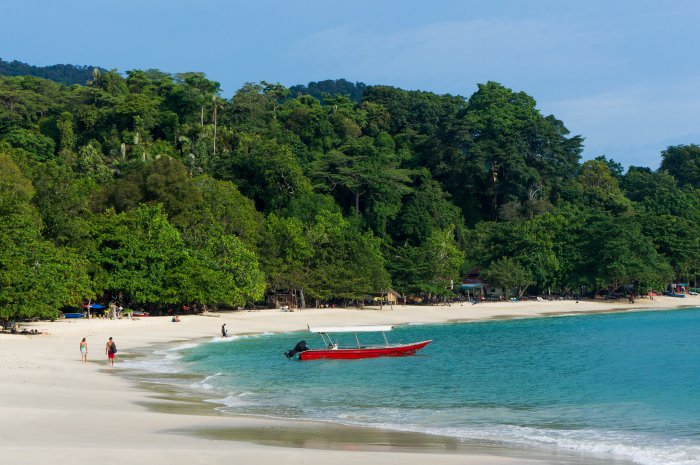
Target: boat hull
(364, 352)
(73, 315)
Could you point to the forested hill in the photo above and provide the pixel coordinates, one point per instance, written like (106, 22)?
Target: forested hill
(63, 74)
(330, 87)
(153, 189)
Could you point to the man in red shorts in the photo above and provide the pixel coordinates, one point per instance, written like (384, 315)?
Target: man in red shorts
(110, 350)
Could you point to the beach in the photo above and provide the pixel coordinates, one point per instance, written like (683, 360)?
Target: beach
(58, 410)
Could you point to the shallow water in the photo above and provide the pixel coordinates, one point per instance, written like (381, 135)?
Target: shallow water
(621, 385)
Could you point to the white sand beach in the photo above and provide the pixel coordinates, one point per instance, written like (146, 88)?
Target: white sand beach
(56, 410)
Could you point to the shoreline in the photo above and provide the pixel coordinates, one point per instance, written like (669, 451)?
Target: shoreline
(61, 410)
(166, 396)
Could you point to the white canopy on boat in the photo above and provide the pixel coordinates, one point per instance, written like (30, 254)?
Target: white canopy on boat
(350, 329)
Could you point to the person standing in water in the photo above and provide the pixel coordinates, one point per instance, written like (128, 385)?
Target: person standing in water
(110, 350)
(224, 332)
(83, 350)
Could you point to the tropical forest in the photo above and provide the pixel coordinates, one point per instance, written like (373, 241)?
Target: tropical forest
(155, 189)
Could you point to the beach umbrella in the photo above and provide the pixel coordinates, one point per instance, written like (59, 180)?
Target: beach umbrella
(97, 306)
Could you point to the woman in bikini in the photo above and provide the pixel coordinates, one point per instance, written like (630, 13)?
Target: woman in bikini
(83, 350)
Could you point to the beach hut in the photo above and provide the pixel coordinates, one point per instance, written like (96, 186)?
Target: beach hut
(474, 288)
(283, 299)
(389, 297)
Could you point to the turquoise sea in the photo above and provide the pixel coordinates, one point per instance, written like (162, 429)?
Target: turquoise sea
(623, 385)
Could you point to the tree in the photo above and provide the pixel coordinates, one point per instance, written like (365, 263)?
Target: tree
(141, 255)
(90, 162)
(223, 273)
(305, 117)
(366, 173)
(683, 163)
(331, 88)
(619, 253)
(640, 183)
(509, 274)
(347, 263)
(430, 267)
(614, 167)
(40, 146)
(224, 209)
(63, 201)
(530, 243)
(164, 181)
(597, 186)
(286, 254)
(513, 148)
(254, 105)
(426, 209)
(67, 137)
(36, 277)
(266, 172)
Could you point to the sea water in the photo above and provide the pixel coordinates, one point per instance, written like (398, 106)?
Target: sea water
(625, 385)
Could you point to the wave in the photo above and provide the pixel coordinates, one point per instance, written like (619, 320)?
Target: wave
(644, 449)
(206, 383)
(161, 360)
(232, 400)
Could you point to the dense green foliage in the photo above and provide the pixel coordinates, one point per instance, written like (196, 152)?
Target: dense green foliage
(155, 190)
(329, 87)
(63, 74)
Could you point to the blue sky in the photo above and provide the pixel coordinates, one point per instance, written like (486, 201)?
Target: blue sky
(623, 74)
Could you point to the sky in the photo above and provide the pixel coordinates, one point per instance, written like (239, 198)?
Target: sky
(623, 74)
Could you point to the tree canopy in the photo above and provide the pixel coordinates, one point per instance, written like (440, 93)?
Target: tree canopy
(155, 189)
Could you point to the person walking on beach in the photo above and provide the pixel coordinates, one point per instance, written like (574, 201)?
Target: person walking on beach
(224, 332)
(110, 350)
(83, 350)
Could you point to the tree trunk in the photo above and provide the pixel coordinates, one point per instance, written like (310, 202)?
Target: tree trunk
(494, 178)
(302, 302)
(214, 125)
(520, 294)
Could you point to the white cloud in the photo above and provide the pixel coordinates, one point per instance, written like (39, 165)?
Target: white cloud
(632, 125)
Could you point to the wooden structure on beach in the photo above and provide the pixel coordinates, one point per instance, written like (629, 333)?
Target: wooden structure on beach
(283, 299)
(389, 297)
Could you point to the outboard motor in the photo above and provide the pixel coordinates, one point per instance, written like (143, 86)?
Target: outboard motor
(300, 347)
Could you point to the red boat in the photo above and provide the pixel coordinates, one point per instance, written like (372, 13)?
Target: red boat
(334, 351)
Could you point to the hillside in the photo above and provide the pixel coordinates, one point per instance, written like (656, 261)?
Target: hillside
(155, 190)
(62, 74)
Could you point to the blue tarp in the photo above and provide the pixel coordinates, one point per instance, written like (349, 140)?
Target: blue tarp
(98, 306)
(472, 286)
